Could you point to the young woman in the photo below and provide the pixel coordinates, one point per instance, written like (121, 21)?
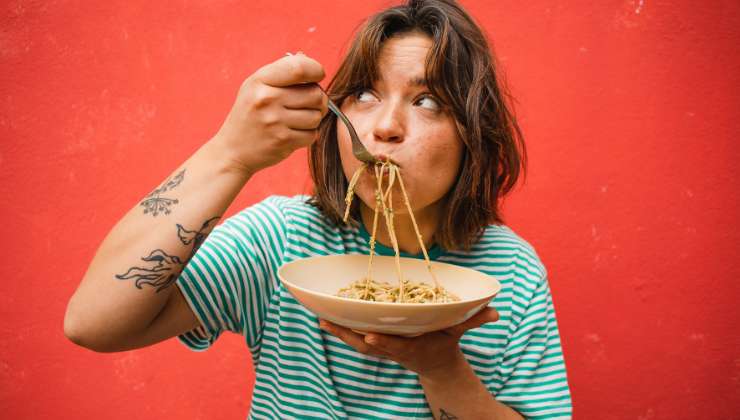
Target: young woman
(420, 86)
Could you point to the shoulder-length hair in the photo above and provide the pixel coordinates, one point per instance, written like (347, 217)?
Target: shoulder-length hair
(461, 70)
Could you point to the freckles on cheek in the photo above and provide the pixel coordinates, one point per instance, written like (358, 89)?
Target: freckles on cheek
(442, 166)
(452, 154)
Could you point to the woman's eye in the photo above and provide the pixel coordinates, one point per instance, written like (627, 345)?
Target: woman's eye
(429, 102)
(365, 96)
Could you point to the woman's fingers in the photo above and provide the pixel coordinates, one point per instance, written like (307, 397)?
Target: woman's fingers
(356, 341)
(277, 110)
(395, 346)
(485, 315)
(388, 343)
(291, 70)
(303, 119)
(302, 138)
(306, 97)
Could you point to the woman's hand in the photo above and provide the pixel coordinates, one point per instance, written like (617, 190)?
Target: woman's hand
(277, 110)
(428, 355)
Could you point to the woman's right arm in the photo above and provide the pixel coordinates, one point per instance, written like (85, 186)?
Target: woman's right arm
(127, 298)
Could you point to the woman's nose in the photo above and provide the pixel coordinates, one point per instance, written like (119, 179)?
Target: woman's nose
(389, 125)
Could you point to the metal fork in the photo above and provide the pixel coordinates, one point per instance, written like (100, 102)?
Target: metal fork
(358, 149)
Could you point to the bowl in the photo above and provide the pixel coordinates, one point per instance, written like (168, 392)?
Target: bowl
(315, 281)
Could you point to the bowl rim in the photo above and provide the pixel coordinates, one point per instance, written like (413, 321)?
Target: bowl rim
(497, 287)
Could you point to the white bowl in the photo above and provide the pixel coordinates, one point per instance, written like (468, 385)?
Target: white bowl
(315, 281)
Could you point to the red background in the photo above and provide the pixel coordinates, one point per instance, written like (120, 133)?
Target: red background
(629, 109)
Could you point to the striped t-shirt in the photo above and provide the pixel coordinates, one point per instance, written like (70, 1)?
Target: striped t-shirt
(303, 372)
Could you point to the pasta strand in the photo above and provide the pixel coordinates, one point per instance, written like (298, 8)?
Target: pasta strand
(405, 291)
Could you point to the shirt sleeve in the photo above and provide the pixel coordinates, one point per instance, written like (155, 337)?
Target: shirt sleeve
(533, 368)
(229, 282)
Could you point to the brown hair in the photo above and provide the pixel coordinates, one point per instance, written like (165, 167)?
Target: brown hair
(461, 71)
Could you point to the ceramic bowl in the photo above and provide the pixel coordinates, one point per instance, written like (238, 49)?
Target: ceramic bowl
(315, 281)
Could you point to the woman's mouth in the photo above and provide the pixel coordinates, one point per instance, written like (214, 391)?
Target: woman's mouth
(382, 158)
(379, 168)
(371, 170)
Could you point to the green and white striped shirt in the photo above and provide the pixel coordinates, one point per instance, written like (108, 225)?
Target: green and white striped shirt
(302, 372)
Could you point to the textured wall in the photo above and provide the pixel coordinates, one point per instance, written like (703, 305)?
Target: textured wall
(630, 111)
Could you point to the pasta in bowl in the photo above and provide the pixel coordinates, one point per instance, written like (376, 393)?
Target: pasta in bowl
(348, 291)
(314, 282)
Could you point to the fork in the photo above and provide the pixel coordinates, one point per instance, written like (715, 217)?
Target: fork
(358, 149)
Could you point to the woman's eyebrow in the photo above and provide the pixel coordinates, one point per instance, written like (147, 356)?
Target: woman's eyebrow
(417, 82)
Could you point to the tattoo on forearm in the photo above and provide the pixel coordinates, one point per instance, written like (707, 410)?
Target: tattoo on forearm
(444, 415)
(167, 267)
(154, 203)
(196, 237)
(162, 274)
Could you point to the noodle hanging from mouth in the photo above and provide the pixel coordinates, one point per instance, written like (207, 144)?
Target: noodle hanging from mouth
(406, 291)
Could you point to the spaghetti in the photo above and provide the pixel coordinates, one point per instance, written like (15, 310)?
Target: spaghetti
(406, 291)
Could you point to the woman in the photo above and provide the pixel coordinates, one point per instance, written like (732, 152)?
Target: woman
(420, 86)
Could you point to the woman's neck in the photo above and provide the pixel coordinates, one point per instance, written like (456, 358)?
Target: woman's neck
(427, 220)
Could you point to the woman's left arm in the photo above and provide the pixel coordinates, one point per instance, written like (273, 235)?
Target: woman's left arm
(452, 389)
(456, 392)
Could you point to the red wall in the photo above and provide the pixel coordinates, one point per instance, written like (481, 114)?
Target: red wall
(629, 108)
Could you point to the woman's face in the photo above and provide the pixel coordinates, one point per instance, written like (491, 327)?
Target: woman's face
(400, 118)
